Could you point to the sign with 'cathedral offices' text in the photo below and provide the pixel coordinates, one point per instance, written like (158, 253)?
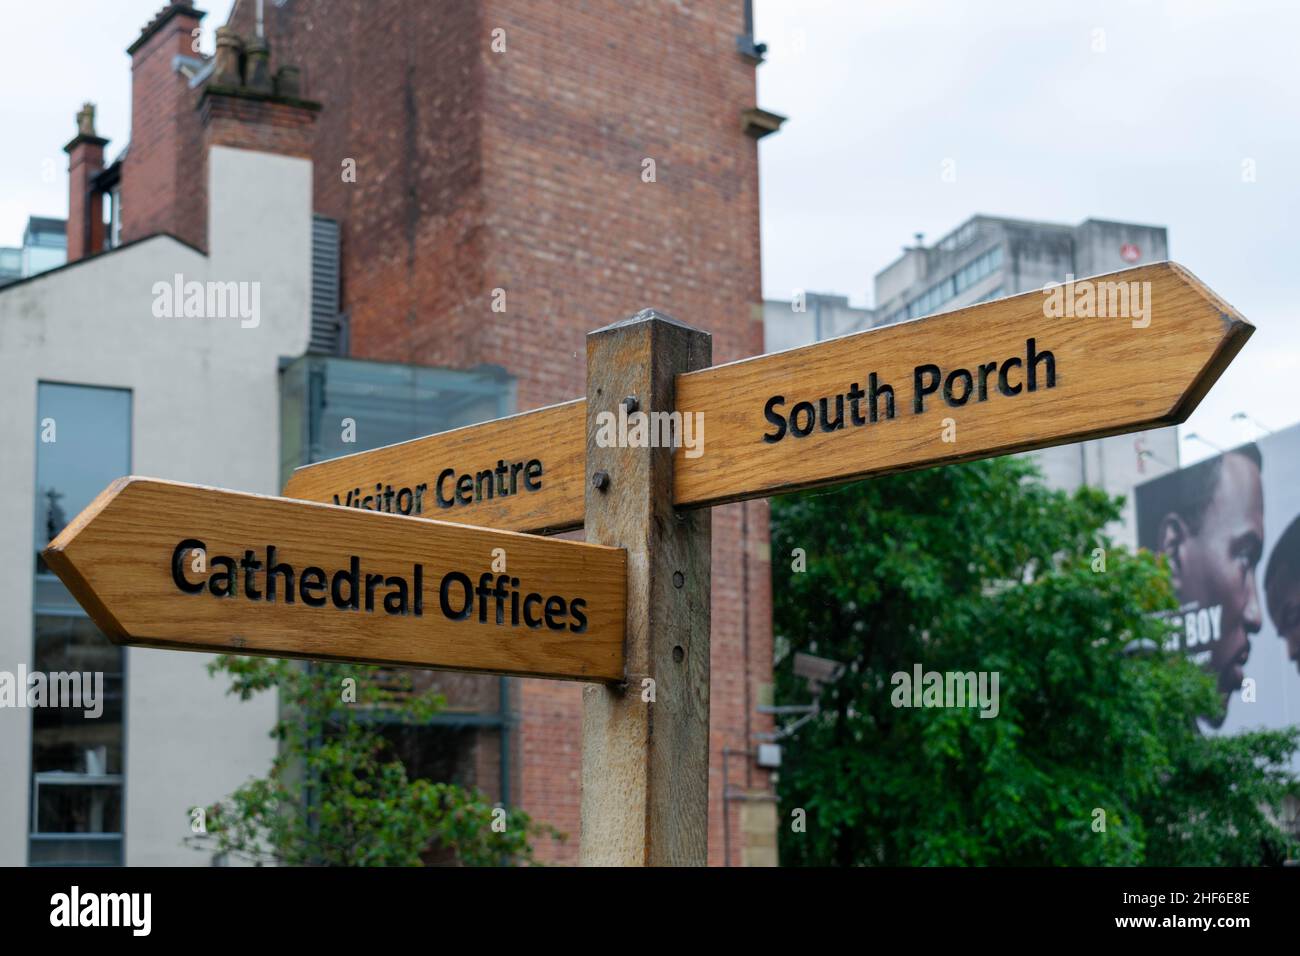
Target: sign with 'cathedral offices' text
(170, 565)
(163, 564)
(361, 574)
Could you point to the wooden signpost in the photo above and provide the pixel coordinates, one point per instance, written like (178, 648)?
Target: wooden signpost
(989, 379)
(522, 473)
(660, 437)
(163, 564)
(1009, 375)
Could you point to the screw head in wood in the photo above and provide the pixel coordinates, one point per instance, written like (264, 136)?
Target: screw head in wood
(631, 404)
(600, 480)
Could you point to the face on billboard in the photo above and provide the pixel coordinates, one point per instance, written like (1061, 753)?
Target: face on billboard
(1213, 563)
(1284, 609)
(1282, 590)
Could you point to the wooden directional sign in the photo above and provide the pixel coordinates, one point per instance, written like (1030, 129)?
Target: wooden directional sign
(1026, 372)
(1132, 350)
(169, 565)
(522, 473)
(163, 564)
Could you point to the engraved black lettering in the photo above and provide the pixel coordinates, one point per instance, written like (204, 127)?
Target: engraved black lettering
(405, 499)
(1004, 385)
(223, 584)
(311, 587)
(443, 500)
(465, 489)
(395, 601)
(949, 392)
(556, 610)
(272, 570)
(352, 578)
(529, 601)
(856, 394)
(810, 413)
(828, 425)
(533, 475)
(921, 389)
(372, 581)
(987, 369)
(250, 566)
(179, 558)
(444, 595)
(576, 608)
(481, 479)
(1032, 361)
(776, 418)
(875, 390)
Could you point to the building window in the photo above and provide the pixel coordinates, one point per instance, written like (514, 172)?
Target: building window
(954, 285)
(45, 245)
(964, 236)
(332, 406)
(114, 231)
(337, 406)
(83, 442)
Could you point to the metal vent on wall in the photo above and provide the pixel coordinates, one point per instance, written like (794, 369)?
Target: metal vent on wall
(328, 326)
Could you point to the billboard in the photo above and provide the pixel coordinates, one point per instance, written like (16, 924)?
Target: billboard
(1229, 527)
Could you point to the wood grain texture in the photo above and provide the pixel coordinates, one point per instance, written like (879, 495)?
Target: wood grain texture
(1110, 378)
(117, 556)
(553, 436)
(645, 764)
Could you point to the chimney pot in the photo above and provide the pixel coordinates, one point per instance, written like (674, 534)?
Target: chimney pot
(288, 82)
(257, 76)
(229, 48)
(86, 120)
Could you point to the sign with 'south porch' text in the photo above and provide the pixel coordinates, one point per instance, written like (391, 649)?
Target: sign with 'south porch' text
(1093, 357)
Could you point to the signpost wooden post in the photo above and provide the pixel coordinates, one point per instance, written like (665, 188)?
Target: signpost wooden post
(1128, 351)
(645, 743)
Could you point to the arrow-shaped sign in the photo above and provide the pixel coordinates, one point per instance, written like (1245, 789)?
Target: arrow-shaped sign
(1133, 350)
(1124, 352)
(522, 473)
(163, 564)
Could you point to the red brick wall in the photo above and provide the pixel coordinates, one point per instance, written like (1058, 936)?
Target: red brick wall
(243, 123)
(400, 85)
(162, 190)
(583, 94)
(523, 171)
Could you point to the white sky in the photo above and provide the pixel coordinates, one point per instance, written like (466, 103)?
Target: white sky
(1154, 129)
(54, 56)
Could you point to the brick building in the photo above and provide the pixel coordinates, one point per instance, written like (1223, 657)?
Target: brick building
(573, 162)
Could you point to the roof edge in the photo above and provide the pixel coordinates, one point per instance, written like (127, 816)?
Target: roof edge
(100, 255)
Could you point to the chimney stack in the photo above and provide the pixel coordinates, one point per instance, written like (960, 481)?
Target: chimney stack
(85, 201)
(247, 106)
(157, 185)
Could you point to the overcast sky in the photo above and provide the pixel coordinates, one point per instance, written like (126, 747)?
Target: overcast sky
(55, 55)
(1137, 111)
(1153, 130)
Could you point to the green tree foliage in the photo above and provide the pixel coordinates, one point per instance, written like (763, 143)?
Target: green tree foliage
(980, 567)
(336, 795)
